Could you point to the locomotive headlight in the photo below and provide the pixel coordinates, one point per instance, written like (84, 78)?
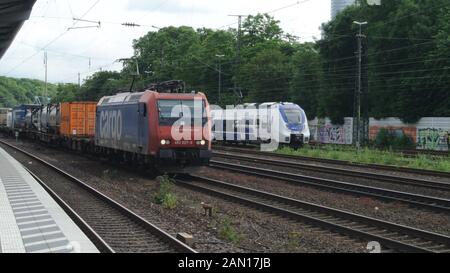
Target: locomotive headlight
(165, 142)
(201, 142)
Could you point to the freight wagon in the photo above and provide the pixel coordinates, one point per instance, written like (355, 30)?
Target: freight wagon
(9, 120)
(71, 124)
(22, 118)
(4, 116)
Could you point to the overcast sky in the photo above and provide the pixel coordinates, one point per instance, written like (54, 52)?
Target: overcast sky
(70, 51)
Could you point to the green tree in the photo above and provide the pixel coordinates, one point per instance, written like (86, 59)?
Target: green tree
(267, 76)
(337, 50)
(406, 60)
(19, 91)
(164, 51)
(260, 29)
(101, 84)
(66, 93)
(307, 79)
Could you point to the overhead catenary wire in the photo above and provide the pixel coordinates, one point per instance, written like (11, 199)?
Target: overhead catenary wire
(275, 11)
(51, 42)
(268, 12)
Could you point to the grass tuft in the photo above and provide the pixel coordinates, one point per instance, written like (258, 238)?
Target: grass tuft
(227, 232)
(165, 196)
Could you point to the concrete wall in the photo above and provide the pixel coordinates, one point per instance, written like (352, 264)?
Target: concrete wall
(429, 133)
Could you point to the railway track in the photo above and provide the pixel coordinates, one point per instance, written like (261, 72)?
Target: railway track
(405, 152)
(415, 200)
(391, 236)
(340, 171)
(118, 228)
(335, 162)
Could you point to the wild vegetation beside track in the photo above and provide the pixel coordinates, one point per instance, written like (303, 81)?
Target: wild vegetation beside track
(372, 156)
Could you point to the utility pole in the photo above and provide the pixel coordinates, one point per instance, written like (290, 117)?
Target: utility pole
(359, 36)
(79, 79)
(220, 56)
(45, 64)
(238, 55)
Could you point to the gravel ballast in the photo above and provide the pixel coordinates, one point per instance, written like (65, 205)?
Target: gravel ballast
(388, 211)
(253, 230)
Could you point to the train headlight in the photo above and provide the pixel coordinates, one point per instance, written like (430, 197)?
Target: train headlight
(201, 142)
(165, 142)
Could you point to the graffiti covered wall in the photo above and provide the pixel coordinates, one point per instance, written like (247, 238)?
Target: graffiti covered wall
(429, 133)
(323, 131)
(433, 139)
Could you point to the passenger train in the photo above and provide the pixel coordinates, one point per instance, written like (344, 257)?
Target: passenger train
(282, 123)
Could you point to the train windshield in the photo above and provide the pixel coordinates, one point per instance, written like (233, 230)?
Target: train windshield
(171, 111)
(294, 116)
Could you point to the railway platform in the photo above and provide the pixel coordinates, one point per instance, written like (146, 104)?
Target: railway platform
(30, 220)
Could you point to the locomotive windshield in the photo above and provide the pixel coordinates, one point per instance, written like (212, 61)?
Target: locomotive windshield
(294, 116)
(172, 110)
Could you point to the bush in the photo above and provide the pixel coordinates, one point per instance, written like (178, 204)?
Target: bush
(227, 232)
(170, 201)
(403, 142)
(383, 138)
(390, 140)
(165, 195)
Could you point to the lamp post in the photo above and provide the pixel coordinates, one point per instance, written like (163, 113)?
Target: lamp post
(220, 56)
(359, 84)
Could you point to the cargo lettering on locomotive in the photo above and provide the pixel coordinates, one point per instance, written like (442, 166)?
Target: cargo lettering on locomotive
(111, 124)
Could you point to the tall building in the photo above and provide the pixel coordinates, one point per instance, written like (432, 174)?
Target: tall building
(338, 5)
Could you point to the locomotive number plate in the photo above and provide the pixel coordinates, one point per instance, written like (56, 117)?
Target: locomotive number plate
(184, 142)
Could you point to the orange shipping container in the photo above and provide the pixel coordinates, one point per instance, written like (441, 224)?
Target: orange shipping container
(78, 119)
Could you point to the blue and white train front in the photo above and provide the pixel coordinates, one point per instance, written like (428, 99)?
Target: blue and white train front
(294, 129)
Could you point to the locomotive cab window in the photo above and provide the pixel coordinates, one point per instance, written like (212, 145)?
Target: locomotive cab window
(171, 110)
(294, 116)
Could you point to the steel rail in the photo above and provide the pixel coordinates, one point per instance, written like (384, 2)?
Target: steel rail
(390, 235)
(98, 241)
(338, 162)
(415, 200)
(152, 229)
(340, 171)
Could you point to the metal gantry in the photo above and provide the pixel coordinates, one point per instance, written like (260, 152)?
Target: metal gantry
(358, 91)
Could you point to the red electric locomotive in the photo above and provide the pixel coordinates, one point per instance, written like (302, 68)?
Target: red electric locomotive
(170, 131)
